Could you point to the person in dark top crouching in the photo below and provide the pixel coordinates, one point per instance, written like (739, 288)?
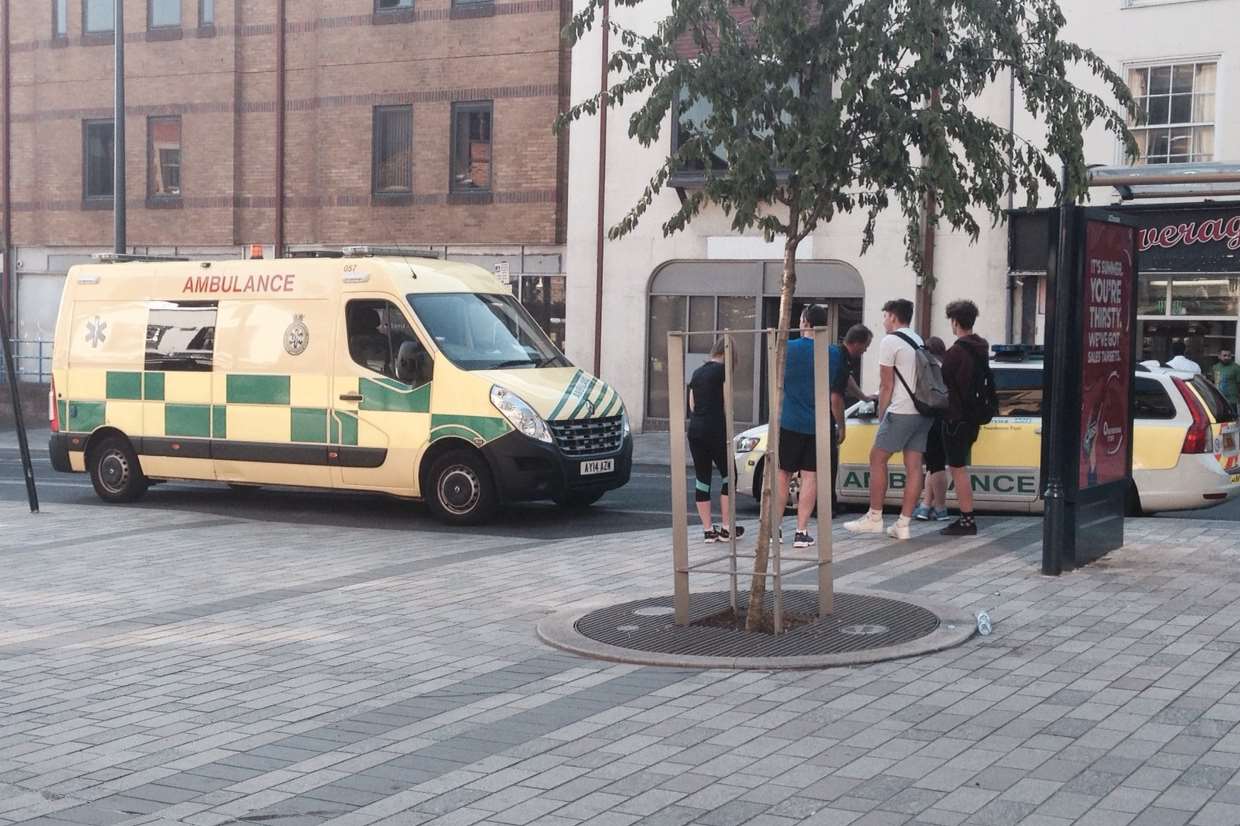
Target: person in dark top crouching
(708, 442)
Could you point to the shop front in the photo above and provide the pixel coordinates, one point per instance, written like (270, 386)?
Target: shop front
(699, 295)
(1189, 284)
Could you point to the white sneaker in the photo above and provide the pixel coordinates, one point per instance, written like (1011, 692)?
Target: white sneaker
(866, 524)
(899, 530)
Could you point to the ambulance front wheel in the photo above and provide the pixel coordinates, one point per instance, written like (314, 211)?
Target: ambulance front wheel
(115, 472)
(461, 490)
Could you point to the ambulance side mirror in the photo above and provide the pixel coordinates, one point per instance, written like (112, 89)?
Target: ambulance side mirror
(414, 366)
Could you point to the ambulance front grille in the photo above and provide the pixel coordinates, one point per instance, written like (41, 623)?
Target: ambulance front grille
(588, 437)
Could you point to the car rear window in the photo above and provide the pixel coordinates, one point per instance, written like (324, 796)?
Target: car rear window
(1151, 400)
(1220, 408)
(1019, 392)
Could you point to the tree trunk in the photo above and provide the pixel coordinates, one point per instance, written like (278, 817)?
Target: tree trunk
(769, 520)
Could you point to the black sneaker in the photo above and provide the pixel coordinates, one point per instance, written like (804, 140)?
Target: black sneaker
(802, 539)
(710, 536)
(960, 528)
(723, 534)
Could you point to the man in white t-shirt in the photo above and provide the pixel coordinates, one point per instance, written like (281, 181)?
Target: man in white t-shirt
(901, 428)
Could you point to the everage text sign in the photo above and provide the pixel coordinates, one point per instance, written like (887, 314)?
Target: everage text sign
(1109, 265)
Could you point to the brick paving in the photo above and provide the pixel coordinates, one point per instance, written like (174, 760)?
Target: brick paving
(164, 667)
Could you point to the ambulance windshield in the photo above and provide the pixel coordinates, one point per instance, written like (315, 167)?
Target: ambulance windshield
(479, 331)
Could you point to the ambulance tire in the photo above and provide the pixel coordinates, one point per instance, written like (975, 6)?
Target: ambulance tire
(461, 491)
(115, 472)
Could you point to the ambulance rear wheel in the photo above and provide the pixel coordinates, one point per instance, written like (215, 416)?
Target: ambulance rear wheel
(115, 472)
(461, 491)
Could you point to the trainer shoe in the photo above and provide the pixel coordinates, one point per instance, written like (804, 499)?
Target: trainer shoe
(710, 536)
(870, 523)
(941, 515)
(923, 514)
(802, 539)
(899, 530)
(964, 526)
(723, 534)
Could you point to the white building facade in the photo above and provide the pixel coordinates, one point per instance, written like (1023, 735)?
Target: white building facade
(1181, 56)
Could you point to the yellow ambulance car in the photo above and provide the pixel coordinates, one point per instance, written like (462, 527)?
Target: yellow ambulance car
(402, 375)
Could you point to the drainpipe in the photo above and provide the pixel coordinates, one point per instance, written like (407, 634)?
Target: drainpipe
(1010, 312)
(280, 81)
(118, 131)
(600, 233)
(6, 135)
(925, 292)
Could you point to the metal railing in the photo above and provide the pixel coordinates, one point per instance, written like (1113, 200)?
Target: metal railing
(32, 360)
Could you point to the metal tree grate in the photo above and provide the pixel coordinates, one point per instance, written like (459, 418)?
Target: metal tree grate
(861, 622)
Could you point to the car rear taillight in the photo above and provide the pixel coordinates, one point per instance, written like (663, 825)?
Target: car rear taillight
(1198, 439)
(53, 415)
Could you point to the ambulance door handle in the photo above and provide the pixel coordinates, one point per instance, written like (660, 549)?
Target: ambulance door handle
(350, 397)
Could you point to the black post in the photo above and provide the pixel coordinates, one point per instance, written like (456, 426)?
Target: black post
(118, 132)
(11, 374)
(1059, 453)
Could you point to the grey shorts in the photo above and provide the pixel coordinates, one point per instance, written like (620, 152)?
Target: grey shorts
(903, 431)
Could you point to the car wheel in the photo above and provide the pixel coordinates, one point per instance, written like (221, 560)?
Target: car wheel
(579, 498)
(794, 487)
(460, 490)
(115, 472)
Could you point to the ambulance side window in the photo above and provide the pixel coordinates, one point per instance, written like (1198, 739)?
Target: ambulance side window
(376, 330)
(1019, 392)
(180, 336)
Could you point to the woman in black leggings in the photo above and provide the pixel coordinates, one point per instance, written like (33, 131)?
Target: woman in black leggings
(708, 441)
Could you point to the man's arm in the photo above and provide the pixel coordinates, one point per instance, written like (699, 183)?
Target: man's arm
(886, 386)
(837, 411)
(856, 392)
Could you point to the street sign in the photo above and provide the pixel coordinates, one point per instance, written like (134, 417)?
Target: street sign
(1088, 386)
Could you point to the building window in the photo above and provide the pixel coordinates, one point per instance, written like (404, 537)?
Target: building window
(98, 16)
(163, 153)
(97, 153)
(60, 18)
(393, 150)
(392, 5)
(206, 12)
(163, 13)
(1176, 121)
(471, 147)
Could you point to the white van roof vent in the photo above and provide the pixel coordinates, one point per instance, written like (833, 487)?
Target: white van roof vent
(368, 251)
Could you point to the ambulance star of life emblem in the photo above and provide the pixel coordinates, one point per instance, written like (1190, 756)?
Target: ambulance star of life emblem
(297, 336)
(96, 332)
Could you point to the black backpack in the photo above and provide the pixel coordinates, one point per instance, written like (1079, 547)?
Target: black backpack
(980, 403)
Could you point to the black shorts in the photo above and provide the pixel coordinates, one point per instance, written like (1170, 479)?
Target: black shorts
(797, 451)
(935, 457)
(958, 439)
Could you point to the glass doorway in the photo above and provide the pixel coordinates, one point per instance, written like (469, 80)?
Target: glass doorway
(1197, 309)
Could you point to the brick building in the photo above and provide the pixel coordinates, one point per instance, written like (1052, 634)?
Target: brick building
(413, 122)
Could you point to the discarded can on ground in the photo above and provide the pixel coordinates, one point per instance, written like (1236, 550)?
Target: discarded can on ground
(983, 623)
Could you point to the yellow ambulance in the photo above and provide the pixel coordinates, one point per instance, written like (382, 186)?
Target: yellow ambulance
(398, 374)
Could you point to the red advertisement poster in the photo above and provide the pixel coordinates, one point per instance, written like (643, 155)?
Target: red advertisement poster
(1106, 368)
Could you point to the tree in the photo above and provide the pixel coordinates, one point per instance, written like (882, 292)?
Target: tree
(823, 107)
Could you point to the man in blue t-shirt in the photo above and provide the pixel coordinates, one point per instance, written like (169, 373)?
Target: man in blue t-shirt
(797, 446)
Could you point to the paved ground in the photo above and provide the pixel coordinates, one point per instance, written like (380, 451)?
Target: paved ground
(165, 665)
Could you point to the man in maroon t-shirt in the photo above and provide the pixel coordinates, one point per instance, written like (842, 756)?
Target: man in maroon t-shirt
(959, 432)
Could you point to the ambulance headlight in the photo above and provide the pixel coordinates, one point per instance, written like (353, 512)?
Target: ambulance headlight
(625, 428)
(519, 414)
